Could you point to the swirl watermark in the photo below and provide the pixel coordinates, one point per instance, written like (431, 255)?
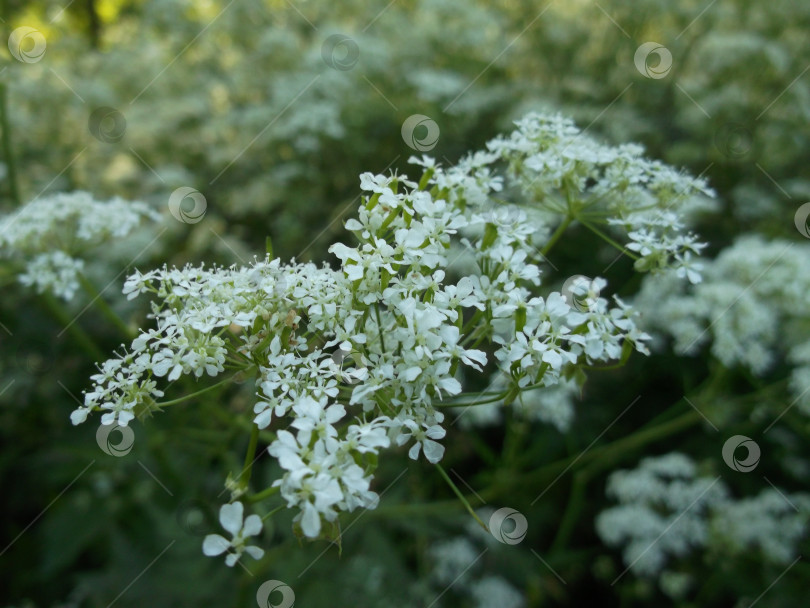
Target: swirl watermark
(355, 371)
(107, 125)
(661, 67)
(516, 533)
(733, 140)
(123, 447)
(751, 460)
(340, 52)
(580, 292)
(35, 356)
(420, 132)
(27, 44)
(802, 220)
(192, 517)
(282, 592)
(187, 216)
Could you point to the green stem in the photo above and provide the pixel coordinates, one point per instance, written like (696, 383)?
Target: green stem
(461, 497)
(81, 337)
(266, 493)
(495, 399)
(273, 512)
(250, 455)
(379, 327)
(8, 153)
(556, 235)
(195, 394)
(105, 308)
(572, 512)
(609, 240)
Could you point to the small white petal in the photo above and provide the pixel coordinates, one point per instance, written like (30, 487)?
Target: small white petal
(214, 544)
(79, 415)
(310, 521)
(253, 525)
(230, 516)
(254, 552)
(433, 451)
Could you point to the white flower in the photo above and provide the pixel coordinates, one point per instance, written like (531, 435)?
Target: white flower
(230, 516)
(424, 435)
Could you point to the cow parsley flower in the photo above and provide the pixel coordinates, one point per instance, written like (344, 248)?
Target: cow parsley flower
(667, 511)
(361, 357)
(49, 236)
(240, 529)
(662, 511)
(750, 309)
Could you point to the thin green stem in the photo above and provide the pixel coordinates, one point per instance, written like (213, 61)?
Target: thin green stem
(8, 153)
(572, 512)
(250, 456)
(106, 310)
(556, 235)
(461, 497)
(495, 399)
(82, 338)
(195, 394)
(379, 327)
(609, 240)
(266, 493)
(273, 512)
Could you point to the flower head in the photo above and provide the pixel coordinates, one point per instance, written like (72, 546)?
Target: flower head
(231, 518)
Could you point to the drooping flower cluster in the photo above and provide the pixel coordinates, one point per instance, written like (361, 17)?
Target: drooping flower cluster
(363, 357)
(666, 511)
(49, 236)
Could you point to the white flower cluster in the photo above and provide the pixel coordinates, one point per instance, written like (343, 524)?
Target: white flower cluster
(454, 564)
(362, 357)
(752, 308)
(666, 511)
(570, 175)
(770, 522)
(49, 235)
(661, 494)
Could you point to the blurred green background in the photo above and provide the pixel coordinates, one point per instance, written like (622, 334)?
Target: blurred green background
(237, 100)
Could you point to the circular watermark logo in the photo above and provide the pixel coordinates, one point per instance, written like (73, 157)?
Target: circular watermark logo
(283, 595)
(651, 68)
(351, 371)
(187, 216)
(27, 44)
(580, 292)
(340, 52)
(733, 140)
(35, 356)
(420, 132)
(751, 460)
(802, 220)
(508, 534)
(106, 443)
(191, 515)
(107, 125)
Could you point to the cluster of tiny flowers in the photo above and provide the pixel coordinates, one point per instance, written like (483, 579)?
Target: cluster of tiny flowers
(362, 357)
(752, 309)
(454, 562)
(48, 237)
(666, 511)
(569, 174)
